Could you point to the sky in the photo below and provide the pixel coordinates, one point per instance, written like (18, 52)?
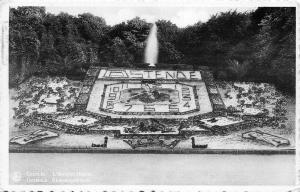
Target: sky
(181, 16)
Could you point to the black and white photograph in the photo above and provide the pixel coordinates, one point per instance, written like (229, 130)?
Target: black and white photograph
(151, 95)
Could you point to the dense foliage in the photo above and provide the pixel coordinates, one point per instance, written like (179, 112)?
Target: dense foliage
(250, 46)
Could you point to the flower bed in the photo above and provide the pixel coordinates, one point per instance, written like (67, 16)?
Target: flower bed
(44, 95)
(86, 89)
(93, 71)
(89, 81)
(212, 89)
(82, 99)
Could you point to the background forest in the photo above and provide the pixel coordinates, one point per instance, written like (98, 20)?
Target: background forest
(256, 46)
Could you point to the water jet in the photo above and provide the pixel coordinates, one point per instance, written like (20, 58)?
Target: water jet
(151, 51)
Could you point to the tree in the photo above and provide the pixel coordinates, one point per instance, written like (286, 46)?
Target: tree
(91, 27)
(167, 37)
(237, 70)
(117, 54)
(72, 58)
(24, 42)
(275, 45)
(133, 34)
(251, 46)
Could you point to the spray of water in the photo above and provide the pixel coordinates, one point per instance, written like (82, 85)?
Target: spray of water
(151, 51)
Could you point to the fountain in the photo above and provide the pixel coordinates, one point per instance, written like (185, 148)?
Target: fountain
(151, 51)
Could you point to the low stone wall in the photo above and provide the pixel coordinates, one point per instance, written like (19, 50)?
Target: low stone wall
(18, 149)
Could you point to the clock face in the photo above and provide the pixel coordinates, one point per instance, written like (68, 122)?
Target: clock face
(148, 93)
(149, 98)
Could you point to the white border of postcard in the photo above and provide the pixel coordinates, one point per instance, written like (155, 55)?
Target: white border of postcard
(4, 165)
